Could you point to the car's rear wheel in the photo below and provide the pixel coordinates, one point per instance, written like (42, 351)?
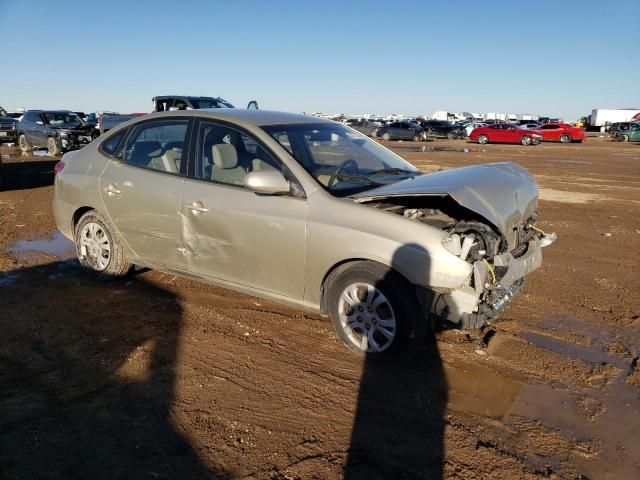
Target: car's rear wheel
(374, 310)
(451, 135)
(483, 139)
(25, 146)
(52, 146)
(386, 136)
(525, 140)
(98, 248)
(564, 138)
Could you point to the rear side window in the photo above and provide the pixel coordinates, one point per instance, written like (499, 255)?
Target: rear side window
(110, 146)
(157, 145)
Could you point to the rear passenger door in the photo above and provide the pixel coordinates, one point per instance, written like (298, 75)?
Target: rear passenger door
(141, 190)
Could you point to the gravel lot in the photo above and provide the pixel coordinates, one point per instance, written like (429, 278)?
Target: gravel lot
(155, 376)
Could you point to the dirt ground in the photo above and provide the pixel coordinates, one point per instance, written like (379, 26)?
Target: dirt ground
(155, 376)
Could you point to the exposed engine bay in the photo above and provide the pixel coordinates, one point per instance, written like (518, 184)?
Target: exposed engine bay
(499, 264)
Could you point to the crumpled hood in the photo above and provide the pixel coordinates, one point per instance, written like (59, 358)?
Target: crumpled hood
(503, 193)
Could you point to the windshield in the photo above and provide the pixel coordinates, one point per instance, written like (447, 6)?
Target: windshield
(341, 160)
(200, 103)
(3, 112)
(63, 119)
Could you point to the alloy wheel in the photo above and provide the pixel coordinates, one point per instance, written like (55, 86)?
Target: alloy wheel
(367, 318)
(95, 246)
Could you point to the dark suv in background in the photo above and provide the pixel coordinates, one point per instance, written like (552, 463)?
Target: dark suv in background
(441, 128)
(7, 127)
(56, 130)
(403, 130)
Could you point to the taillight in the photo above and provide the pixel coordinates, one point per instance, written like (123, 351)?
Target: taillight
(58, 167)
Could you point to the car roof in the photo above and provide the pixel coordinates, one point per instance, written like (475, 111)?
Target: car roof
(246, 116)
(49, 111)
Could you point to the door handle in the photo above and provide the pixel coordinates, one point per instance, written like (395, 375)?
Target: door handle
(197, 208)
(111, 190)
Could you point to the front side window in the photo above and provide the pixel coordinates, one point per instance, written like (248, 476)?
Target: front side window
(157, 145)
(341, 160)
(225, 155)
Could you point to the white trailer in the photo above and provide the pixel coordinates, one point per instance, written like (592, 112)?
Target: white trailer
(602, 116)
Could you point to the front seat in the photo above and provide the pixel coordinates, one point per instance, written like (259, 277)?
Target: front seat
(225, 167)
(143, 153)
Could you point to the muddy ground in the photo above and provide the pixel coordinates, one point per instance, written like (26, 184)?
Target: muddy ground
(159, 377)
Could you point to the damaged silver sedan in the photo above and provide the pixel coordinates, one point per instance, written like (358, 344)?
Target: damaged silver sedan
(307, 212)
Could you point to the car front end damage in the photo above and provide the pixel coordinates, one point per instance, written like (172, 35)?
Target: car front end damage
(73, 139)
(487, 215)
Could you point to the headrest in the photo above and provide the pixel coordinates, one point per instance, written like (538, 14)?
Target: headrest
(149, 148)
(224, 155)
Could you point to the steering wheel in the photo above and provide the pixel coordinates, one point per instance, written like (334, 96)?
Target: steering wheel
(343, 166)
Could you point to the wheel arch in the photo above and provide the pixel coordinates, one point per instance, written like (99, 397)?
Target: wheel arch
(343, 265)
(77, 215)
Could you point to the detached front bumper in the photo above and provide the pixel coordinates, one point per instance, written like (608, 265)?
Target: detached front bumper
(493, 286)
(74, 142)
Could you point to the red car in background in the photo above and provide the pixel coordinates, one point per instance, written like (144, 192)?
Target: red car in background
(561, 132)
(505, 133)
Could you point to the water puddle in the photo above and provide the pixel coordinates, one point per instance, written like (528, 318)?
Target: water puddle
(586, 353)
(41, 153)
(56, 245)
(476, 389)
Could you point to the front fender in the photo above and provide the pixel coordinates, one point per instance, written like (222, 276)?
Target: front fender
(349, 231)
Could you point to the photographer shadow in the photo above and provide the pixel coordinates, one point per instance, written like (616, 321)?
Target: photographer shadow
(88, 375)
(399, 425)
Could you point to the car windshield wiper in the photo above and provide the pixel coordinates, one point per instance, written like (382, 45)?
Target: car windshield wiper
(345, 175)
(392, 170)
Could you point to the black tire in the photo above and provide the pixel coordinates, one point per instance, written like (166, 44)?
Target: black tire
(483, 139)
(386, 136)
(24, 145)
(451, 136)
(117, 263)
(565, 138)
(401, 295)
(53, 147)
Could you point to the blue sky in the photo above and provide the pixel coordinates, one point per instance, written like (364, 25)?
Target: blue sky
(545, 57)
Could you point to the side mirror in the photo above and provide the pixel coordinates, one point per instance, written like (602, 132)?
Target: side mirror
(268, 182)
(252, 105)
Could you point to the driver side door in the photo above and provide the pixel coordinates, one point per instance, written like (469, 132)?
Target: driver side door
(233, 234)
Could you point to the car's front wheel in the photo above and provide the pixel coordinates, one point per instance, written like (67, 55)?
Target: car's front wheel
(25, 146)
(525, 140)
(374, 310)
(98, 248)
(386, 136)
(483, 139)
(52, 146)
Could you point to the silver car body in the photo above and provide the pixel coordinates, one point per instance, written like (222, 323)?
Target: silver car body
(283, 247)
